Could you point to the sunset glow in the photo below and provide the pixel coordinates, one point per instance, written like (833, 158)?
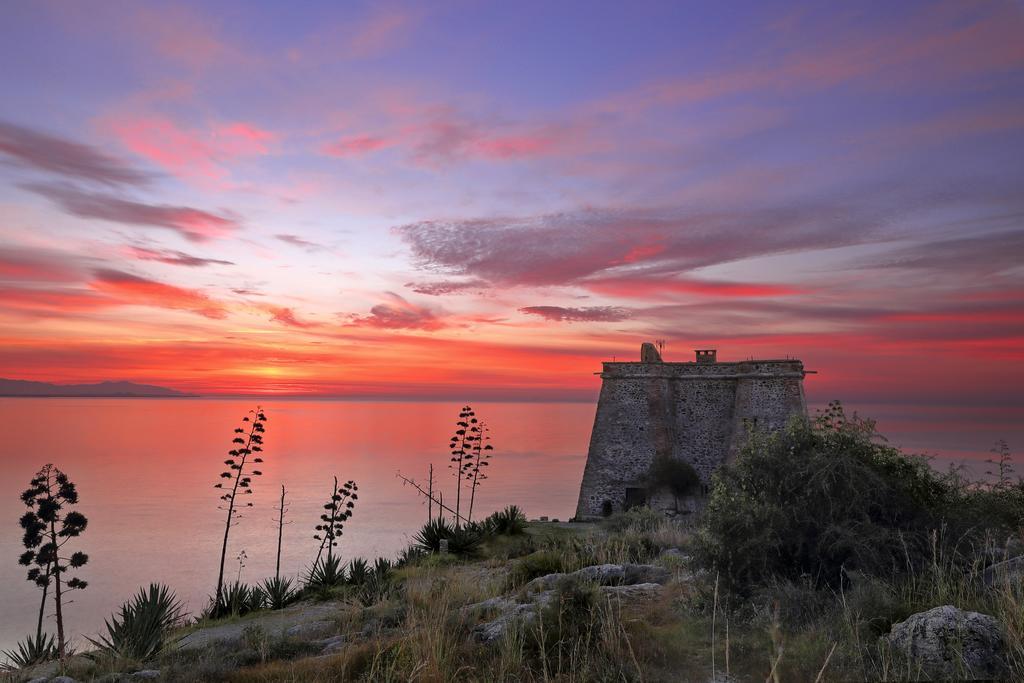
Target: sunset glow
(376, 200)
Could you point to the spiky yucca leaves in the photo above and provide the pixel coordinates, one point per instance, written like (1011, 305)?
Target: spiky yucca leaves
(508, 522)
(410, 556)
(48, 526)
(378, 584)
(31, 650)
(139, 631)
(338, 509)
(358, 571)
(239, 478)
(240, 598)
(461, 541)
(278, 592)
(327, 573)
(473, 470)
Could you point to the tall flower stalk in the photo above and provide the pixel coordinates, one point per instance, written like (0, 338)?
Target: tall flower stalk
(248, 442)
(467, 433)
(338, 509)
(479, 456)
(48, 527)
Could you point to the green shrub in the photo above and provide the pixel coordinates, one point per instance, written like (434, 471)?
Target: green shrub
(31, 650)
(139, 632)
(821, 498)
(638, 519)
(462, 542)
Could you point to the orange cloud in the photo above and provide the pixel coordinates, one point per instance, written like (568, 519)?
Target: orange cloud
(132, 289)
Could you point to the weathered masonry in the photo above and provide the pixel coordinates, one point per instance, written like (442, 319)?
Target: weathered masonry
(698, 412)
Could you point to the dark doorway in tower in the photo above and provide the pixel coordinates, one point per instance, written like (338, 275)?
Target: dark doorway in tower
(635, 497)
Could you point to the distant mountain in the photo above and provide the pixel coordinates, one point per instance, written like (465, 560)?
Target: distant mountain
(19, 387)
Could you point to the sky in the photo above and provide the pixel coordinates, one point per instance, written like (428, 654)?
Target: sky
(488, 199)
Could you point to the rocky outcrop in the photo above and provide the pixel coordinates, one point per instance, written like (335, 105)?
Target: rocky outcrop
(605, 575)
(625, 582)
(946, 642)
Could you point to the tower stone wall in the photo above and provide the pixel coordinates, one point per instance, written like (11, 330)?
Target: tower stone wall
(698, 412)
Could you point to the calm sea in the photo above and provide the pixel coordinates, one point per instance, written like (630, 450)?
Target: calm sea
(145, 469)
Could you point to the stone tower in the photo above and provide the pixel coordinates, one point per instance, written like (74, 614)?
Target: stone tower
(698, 412)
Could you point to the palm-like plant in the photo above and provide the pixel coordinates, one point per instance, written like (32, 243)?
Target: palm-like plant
(139, 632)
(31, 650)
(461, 541)
(48, 527)
(508, 522)
(278, 592)
(358, 571)
(239, 479)
(327, 573)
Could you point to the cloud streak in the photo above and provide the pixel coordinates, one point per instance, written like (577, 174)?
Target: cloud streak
(174, 258)
(604, 314)
(47, 153)
(193, 224)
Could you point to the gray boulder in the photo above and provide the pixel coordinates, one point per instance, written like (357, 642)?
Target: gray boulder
(606, 575)
(946, 642)
(330, 646)
(633, 592)
(318, 628)
(147, 674)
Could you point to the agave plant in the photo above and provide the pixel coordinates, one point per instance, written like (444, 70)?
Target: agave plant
(461, 541)
(378, 584)
(382, 568)
(278, 592)
(358, 571)
(139, 632)
(31, 650)
(410, 555)
(236, 599)
(326, 573)
(508, 522)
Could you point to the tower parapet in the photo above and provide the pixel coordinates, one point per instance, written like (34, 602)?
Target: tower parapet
(698, 412)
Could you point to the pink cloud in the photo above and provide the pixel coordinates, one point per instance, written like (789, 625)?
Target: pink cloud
(191, 153)
(378, 32)
(286, 316)
(515, 146)
(940, 43)
(357, 145)
(398, 313)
